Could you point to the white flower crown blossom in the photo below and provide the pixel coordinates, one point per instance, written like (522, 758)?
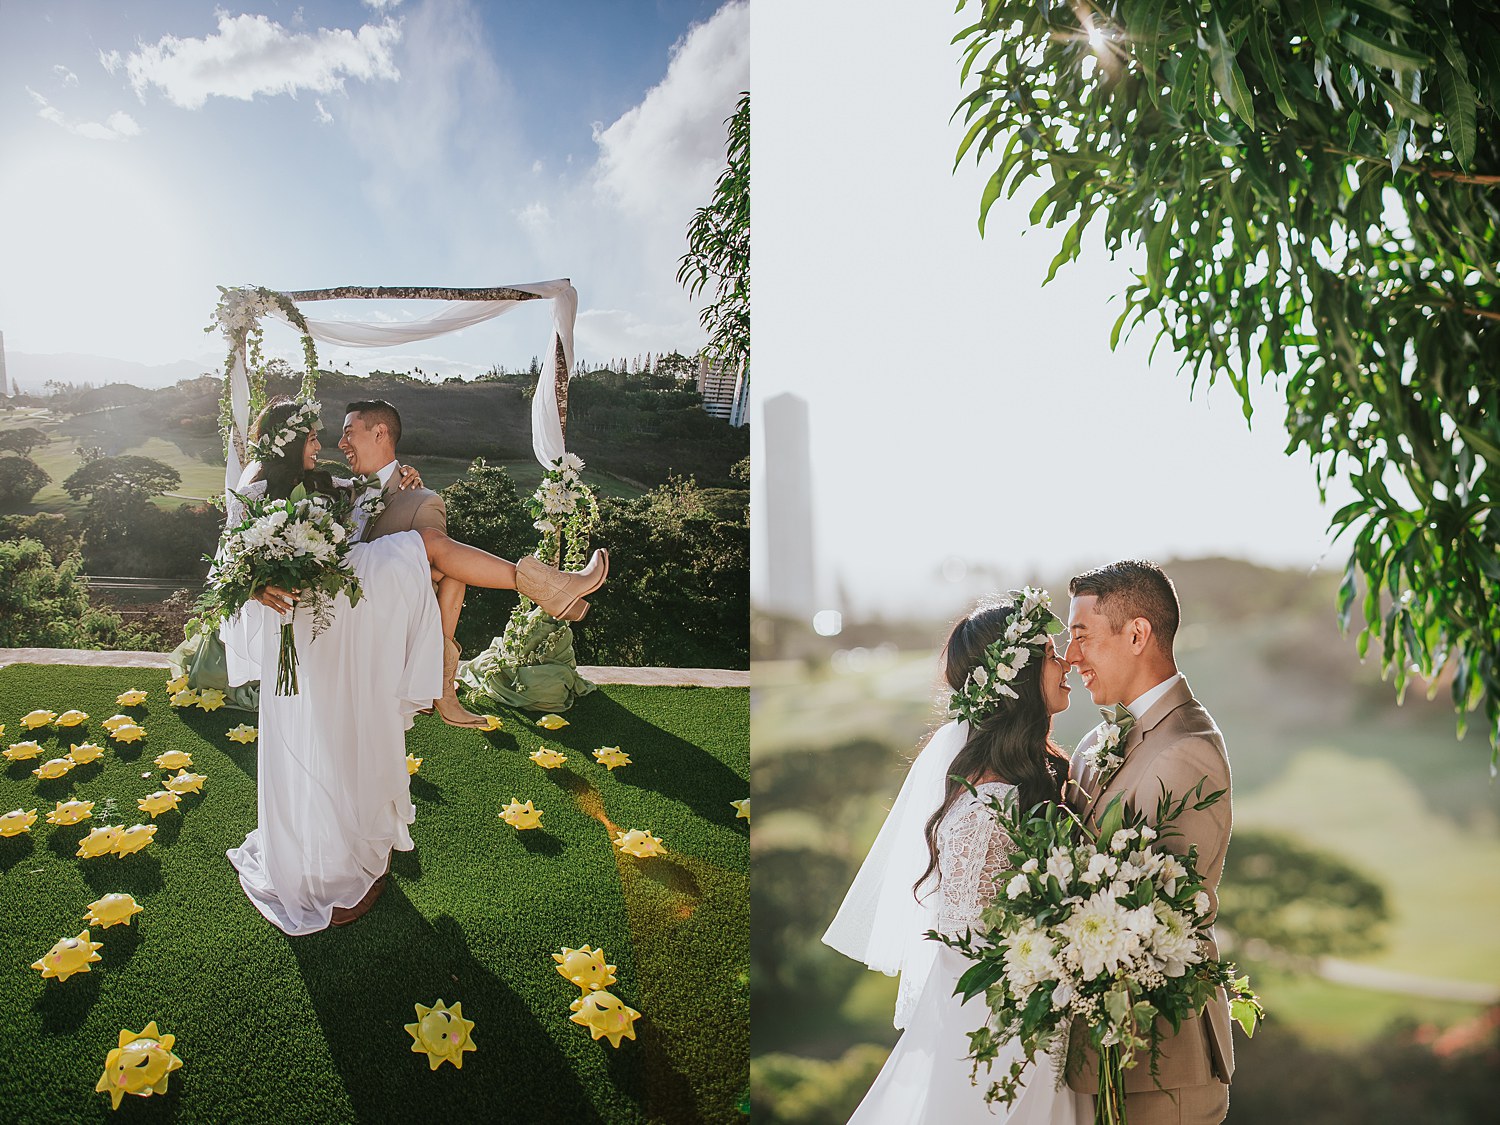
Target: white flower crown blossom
(306, 419)
(989, 681)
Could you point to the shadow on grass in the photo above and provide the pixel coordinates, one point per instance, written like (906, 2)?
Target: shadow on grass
(674, 767)
(540, 842)
(138, 874)
(13, 849)
(516, 1069)
(426, 792)
(64, 1005)
(671, 875)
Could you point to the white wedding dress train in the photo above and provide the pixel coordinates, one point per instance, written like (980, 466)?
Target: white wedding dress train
(333, 795)
(926, 1080)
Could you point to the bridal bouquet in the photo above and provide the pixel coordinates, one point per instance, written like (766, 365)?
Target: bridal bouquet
(1108, 933)
(297, 544)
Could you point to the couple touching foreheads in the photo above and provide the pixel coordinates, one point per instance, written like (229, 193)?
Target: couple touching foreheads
(934, 863)
(332, 795)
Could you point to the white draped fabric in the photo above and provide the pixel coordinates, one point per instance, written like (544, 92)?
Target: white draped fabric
(546, 423)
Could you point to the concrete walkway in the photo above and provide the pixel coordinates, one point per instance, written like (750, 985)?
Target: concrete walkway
(646, 677)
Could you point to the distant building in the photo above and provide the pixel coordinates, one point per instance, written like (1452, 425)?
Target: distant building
(726, 393)
(791, 580)
(4, 381)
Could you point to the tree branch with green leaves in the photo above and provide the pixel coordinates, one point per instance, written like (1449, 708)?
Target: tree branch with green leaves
(719, 250)
(1314, 185)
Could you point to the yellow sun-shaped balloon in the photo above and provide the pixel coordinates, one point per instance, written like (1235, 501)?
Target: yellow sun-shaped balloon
(552, 722)
(741, 808)
(23, 751)
(128, 732)
(134, 838)
(163, 800)
(611, 757)
(140, 1065)
(101, 841)
(548, 758)
(83, 753)
(72, 718)
(174, 759)
(132, 698)
(413, 764)
(210, 699)
(115, 722)
(243, 733)
(70, 812)
(35, 720)
(187, 697)
(605, 1015)
(174, 686)
(442, 1034)
(70, 955)
(113, 910)
(521, 816)
(585, 967)
(53, 767)
(640, 843)
(184, 782)
(17, 822)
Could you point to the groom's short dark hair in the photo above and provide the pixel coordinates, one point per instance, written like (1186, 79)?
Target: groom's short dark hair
(376, 410)
(1133, 588)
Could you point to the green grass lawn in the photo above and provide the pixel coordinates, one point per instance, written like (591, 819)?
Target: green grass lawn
(311, 1028)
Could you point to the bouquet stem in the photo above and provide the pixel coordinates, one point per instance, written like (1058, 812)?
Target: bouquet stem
(1109, 1106)
(286, 664)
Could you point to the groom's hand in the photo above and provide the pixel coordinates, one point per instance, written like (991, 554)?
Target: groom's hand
(274, 597)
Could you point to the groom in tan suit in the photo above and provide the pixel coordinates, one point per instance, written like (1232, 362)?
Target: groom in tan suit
(1120, 628)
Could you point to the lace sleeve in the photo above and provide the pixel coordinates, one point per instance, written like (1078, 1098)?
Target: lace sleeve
(973, 851)
(234, 511)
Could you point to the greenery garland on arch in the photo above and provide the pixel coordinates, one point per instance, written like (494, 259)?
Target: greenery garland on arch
(238, 316)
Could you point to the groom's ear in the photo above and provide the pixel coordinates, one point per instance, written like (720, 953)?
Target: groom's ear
(1138, 634)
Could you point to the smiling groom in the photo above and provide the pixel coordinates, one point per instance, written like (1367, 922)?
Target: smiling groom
(1120, 627)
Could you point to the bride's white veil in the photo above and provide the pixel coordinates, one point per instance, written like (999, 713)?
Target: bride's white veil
(881, 921)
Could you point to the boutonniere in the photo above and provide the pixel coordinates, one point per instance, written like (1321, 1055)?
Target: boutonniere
(1106, 755)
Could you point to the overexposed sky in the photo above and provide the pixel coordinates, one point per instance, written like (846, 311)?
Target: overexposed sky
(958, 408)
(152, 151)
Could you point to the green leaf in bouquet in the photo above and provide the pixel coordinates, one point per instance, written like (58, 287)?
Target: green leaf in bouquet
(1113, 819)
(298, 493)
(1038, 1008)
(1117, 1004)
(979, 977)
(1246, 1013)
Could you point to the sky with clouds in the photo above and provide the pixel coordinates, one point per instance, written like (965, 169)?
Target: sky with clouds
(152, 151)
(967, 421)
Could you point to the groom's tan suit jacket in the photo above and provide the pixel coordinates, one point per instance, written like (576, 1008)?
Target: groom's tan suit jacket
(1176, 744)
(407, 510)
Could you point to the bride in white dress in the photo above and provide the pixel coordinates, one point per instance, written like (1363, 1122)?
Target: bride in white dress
(932, 867)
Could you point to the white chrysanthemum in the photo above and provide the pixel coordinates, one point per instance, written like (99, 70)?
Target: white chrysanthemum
(1029, 960)
(572, 463)
(1171, 944)
(1097, 938)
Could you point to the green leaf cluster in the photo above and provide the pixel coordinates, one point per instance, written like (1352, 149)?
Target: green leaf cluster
(719, 249)
(1315, 185)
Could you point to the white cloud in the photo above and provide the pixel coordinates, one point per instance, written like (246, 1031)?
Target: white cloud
(662, 156)
(116, 127)
(64, 75)
(534, 216)
(252, 55)
(381, 5)
(324, 117)
(111, 61)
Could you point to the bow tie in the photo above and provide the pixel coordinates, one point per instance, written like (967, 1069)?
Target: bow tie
(1120, 715)
(363, 483)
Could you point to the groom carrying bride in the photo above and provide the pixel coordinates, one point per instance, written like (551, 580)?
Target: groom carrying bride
(1121, 623)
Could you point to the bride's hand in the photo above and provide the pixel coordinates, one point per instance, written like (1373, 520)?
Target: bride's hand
(410, 478)
(274, 597)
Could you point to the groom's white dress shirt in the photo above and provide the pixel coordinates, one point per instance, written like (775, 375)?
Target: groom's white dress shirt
(360, 515)
(1143, 702)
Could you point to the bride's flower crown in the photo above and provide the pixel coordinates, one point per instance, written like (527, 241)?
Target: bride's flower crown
(989, 681)
(304, 420)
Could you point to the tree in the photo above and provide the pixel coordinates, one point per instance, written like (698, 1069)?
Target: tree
(21, 478)
(23, 441)
(719, 249)
(1313, 183)
(127, 479)
(46, 605)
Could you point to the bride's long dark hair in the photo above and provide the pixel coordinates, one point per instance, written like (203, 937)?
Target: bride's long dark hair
(283, 471)
(1014, 739)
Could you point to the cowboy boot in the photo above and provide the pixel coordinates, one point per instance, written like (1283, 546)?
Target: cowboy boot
(448, 708)
(559, 592)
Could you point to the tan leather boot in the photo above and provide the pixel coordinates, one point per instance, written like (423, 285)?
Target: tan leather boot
(560, 592)
(448, 708)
